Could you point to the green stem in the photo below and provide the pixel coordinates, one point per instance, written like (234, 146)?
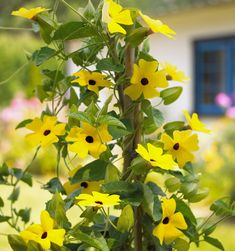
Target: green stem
(14, 74)
(15, 28)
(29, 165)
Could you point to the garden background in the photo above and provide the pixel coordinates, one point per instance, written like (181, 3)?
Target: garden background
(204, 49)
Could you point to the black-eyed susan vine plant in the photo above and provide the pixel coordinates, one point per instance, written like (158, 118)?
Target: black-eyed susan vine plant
(153, 187)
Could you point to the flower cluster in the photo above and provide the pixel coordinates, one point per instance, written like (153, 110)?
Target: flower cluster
(120, 157)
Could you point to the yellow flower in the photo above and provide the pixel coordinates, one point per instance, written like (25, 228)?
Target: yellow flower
(93, 80)
(29, 14)
(145, 79)
(86, 186)
(98, 200)
(194, 123)
(181, 145)
(87, 140)
(157, 26)
(172, 73)
(156, 157)
(44, 233)
(113, 14)
(168, 229)
(45, 131)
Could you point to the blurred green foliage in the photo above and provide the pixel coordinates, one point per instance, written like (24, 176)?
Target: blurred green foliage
(12, 58)
(218, 162)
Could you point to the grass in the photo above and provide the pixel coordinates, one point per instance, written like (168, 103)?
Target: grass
(36, 197)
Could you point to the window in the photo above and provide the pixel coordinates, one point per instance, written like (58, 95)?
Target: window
(215, 72)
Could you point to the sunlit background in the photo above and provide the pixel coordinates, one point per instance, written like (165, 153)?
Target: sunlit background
(204, 49)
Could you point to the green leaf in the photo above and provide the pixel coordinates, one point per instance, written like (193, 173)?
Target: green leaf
(151, 203)
(42, 55)
(172, 184)
(27, 178)
(24, 214)
(173, 126)
(146, 56)
(34, 246)
(23, 123)
(4, 218)
(112, 173)
(54, 185)
(139, 165)
(95, 240)
(81, 116)
(56, 208)
(181, 245)
(137, 36)
(107, 64)
(73, 30)
(214, 242)
(46, 27)
(118, 186)
(118, 132)
(222, 206)
(17, 243)
(181, 206)
(189, 189)
(110, 121)
(126, 219)
(104, 109)
(154, 117)
(1, 202)
(95, 170)
(89, 11)
(170, 95)
(200, 195)
(14, 195)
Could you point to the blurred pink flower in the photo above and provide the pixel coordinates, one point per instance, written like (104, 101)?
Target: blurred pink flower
(222, 99)
(231, 112)
(19, 107)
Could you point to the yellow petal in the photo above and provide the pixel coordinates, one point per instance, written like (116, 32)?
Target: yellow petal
(171, 234)
(57, 236)
(48, 140)
(80, 148)
(159, 232)
(114, 27)
(34, 139)
(161, 79)
(178, 221)
(157, 26)
(104, 133)
(28, 13)
(142, 152)
(168, 207)
(59, 129)
(150, 92)
(124, 17)
(134, 91)
(167, 140)
(148, 67)
(35, 125)
(46, 221)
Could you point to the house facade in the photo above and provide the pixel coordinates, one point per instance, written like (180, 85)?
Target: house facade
(204, 48)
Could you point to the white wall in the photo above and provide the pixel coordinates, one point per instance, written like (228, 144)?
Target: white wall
(191, 25)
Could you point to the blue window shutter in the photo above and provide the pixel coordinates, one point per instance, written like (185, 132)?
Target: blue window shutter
(215, 72)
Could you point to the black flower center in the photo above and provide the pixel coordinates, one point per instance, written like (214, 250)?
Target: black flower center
(89, 139)
(99, 202)
(166, 220)
(44, 235)
(151, 159)
(92, 82)
(169, 77)
(84, 184)
(144, 81)
(46, 132)
(176, 146)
